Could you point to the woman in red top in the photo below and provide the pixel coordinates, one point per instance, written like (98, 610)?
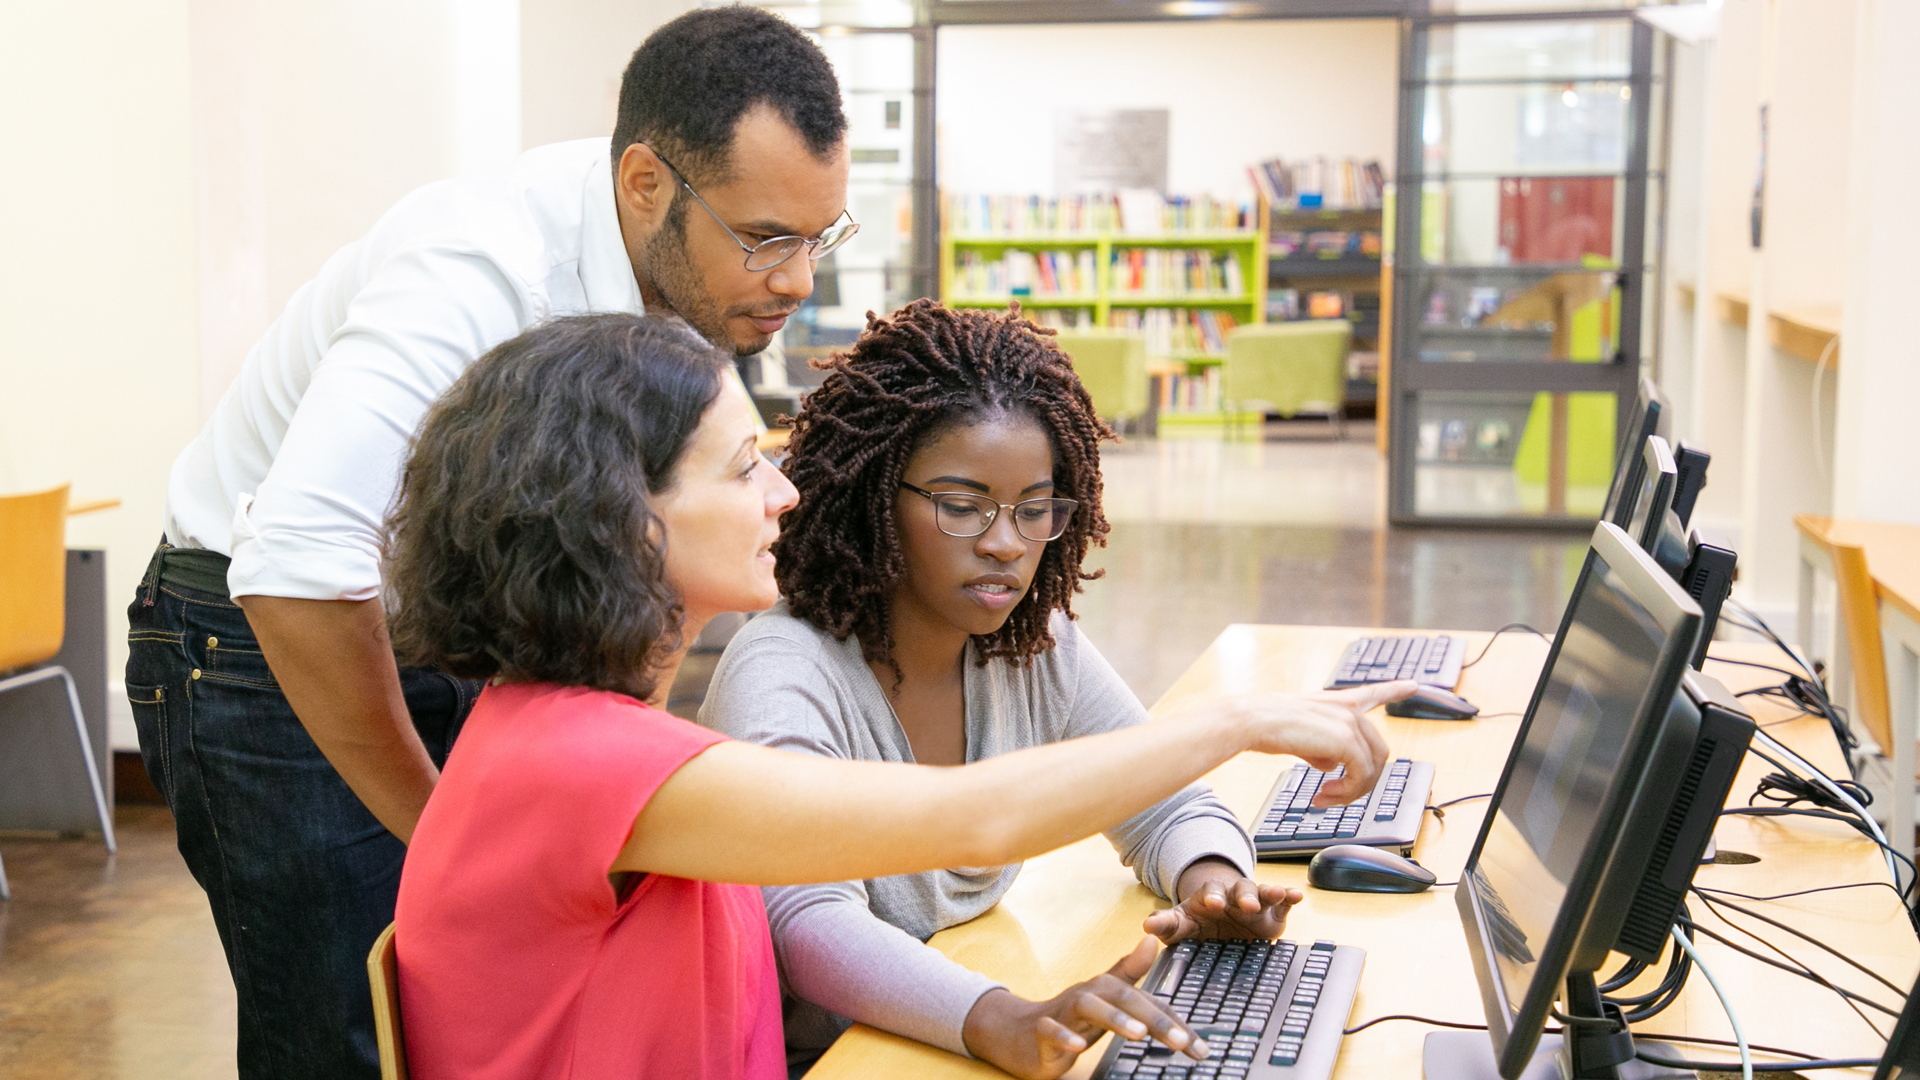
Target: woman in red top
(580, 503)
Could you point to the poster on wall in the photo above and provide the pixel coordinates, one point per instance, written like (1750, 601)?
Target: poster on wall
(1109, 150)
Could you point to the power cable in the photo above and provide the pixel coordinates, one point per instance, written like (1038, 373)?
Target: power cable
(1733, 1018)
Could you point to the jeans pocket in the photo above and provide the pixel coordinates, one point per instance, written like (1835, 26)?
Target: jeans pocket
(150, 719)
(238, 664)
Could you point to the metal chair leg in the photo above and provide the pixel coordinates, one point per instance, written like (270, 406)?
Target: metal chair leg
(86, 744)
(93, 769)
(5, 893)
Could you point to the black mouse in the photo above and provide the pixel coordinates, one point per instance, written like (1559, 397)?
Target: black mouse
(1433, 703)
(1359, 868)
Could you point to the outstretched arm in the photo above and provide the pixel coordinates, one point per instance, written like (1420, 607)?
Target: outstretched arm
(748, 814)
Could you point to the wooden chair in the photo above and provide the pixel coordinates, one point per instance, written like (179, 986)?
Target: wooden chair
(1866, 657)
(1857, 669)
(33, 617)
(383, 971)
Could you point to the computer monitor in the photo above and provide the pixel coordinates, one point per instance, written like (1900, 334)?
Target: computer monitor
(1902, 1058)
(1608, 798)
(1704, 571)
(1647, 418)
(1691, 460)
(1652, 495)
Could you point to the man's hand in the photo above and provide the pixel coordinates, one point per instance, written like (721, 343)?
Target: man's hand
(334, 663)
(1216, 902)
(1040, 1040)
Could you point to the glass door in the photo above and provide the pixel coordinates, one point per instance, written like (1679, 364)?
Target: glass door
(1522, 246)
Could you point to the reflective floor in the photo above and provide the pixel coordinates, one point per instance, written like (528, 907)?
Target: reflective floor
(109, 967)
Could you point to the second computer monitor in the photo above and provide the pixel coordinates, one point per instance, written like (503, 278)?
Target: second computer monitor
(1647, 418)
(1652, 496)
(1536, 876)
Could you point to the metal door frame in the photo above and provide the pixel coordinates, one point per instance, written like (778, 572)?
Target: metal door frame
(1408, 376)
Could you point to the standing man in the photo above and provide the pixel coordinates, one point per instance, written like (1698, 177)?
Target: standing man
(294, 753)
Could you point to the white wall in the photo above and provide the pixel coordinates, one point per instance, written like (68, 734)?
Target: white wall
(1879, 380)
(572, 53)
(310, 120)
(1238, 92)
(98, 365)
(1775, 442)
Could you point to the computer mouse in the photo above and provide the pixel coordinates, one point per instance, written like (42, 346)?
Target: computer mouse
(1359, 868)
(1433, 703)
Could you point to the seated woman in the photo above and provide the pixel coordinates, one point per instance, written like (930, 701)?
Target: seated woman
(576, 507)
(949, 478)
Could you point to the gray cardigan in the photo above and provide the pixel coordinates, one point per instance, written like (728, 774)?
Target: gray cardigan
(855, 950)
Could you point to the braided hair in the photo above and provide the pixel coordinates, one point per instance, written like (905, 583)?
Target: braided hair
(927, 369)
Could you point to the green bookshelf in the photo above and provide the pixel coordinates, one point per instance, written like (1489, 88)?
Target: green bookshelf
(1248, 248)
(1172, 361)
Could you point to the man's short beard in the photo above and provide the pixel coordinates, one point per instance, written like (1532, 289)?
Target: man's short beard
(679, 283)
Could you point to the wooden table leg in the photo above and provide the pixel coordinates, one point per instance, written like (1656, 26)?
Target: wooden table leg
(1902, 637)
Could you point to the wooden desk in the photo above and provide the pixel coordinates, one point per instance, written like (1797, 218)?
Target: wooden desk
(1893, 562)
(1074, 912)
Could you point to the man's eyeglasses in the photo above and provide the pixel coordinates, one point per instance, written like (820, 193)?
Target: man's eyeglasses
(770, 253)
(958, 513)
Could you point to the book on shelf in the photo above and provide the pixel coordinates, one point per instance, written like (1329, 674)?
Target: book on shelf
(1025, 273)
(1284, 305)
(1171, 272)
(1136, 211)
(1319, 183)
(1059, 318)
(1324, 244)
(1177, 331)
(1194, 392)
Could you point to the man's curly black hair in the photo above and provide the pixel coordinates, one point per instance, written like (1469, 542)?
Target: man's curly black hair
(926, 369)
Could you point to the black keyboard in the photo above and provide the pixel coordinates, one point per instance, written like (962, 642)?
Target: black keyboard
(1434, 661)
(1267, 1009)
(1290, 827)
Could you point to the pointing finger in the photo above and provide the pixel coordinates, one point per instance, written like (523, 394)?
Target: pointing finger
(1371, 695)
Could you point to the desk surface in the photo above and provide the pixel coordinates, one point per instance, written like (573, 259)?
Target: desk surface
(1074, 912)
(1893, 553)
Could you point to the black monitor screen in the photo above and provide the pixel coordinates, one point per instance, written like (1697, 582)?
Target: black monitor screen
(1548, 811)
(1654, 493)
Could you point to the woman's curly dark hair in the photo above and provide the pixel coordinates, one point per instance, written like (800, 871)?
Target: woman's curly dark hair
(926, 369)
(522, 541)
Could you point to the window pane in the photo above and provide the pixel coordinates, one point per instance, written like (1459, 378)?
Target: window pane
(1526, 128)
(1512, 453)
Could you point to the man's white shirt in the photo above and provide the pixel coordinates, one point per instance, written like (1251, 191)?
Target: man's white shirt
(297, 467)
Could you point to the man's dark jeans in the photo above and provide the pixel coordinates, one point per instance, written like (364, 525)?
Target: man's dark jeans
(300, 875)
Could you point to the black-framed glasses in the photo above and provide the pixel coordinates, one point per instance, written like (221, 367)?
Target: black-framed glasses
(966, 515)
(770, 253)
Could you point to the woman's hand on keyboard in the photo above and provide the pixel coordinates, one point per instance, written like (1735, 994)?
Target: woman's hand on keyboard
(1216, 902)
(1326, 729)
(1042, 1039)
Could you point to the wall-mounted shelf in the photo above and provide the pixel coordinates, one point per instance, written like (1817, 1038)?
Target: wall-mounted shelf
(1803, 331)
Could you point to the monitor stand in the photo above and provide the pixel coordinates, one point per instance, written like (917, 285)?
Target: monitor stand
(1468, 1055)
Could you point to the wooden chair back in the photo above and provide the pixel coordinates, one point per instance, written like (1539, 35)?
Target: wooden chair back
(33, 576)
(383, 971)
(1860, 620)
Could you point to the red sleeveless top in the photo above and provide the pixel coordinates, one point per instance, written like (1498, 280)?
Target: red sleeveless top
(516, 958)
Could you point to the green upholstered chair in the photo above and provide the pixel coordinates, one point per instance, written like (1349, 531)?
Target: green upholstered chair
(1289, 368)
(1112, 365)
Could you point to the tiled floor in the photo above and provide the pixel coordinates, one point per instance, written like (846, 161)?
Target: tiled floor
(110, 968)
